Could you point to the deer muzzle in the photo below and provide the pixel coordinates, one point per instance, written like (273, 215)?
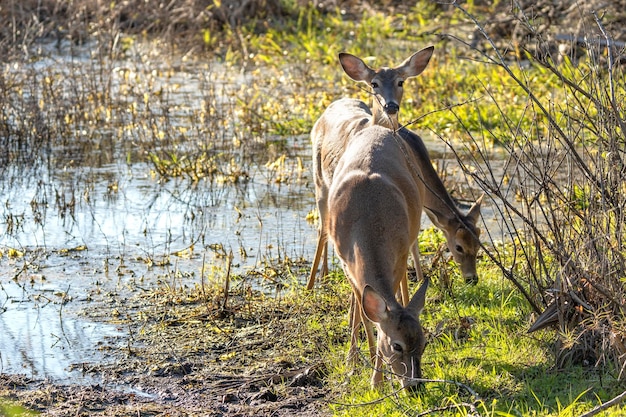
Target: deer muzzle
(392, 108)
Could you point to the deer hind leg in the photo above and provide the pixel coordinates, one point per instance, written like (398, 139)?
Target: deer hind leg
(415, 252)
(320, 251)
(322, 240)
(404, 284)
(325, 259)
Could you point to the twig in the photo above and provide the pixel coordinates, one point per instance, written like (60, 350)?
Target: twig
(610, 45)
(605, 405)
(202, 272)
(472, 407)
(437, 410)
(609, 52)
(448, 107)
(227, 280)
(368, 363)
(500, 61)
(61, 314)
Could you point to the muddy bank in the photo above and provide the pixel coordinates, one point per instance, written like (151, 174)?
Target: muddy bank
(174, 396)
(187, 350)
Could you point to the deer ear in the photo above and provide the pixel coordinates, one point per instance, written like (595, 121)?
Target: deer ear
(419, 298)
(374, 306)
(416, 63)
(474, 212)
(355, 67)
(438, 219)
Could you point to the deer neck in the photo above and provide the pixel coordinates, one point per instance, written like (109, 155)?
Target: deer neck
(436, 196)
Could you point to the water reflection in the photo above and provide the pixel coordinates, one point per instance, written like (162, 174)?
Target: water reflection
(142, 216)
(138, 218)
(40, 340)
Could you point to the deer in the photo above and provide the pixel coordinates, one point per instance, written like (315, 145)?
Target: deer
(460, 229)
(382, 183)
(337, 127)
(375, 206)
(343, 118)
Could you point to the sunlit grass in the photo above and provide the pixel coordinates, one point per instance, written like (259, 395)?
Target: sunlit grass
(478, 340)
(11, 409)
(458, 93)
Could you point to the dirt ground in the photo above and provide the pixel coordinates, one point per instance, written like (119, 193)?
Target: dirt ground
(188, 351)
(192, 394)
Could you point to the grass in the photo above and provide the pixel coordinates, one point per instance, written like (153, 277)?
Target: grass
(478, 339)
(480, 360)
(11, 409)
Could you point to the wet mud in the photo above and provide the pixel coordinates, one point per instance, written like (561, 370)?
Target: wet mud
(180, 347)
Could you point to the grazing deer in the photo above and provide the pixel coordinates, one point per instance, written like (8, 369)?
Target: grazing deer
(459, 229)
(343, 118)
(382, 182)
(374, 215)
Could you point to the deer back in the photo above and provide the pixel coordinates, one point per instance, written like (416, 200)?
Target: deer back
(375, 205)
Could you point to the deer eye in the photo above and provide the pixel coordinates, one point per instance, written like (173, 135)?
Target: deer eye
(400, 83)
(459, 248)
(374, 84)
(396, 347)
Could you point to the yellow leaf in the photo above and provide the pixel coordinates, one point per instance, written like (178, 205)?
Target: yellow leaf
(229, 355)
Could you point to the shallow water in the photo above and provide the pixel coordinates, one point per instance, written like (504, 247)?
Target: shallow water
(43, 334)
(41, 340)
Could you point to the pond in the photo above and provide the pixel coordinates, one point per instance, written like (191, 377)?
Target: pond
(84, 216)
(65, 259)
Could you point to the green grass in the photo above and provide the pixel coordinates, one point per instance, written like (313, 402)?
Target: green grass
(487, 102)
(11, 409)
(478, 339)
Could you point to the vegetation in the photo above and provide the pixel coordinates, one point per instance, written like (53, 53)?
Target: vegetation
(535, 119)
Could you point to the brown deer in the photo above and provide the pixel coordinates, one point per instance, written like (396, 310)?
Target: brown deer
(374, 215)
(382, 182)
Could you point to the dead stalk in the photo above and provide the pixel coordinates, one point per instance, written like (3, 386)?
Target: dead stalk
(227, 280)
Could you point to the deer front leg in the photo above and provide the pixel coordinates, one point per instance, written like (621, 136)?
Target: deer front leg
(404, 291)
(369, 331)
(355, 321)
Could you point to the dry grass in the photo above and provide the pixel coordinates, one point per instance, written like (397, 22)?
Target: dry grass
(183, 24)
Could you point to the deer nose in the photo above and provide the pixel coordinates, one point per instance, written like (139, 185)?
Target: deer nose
(471, 278)
(392, 108)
